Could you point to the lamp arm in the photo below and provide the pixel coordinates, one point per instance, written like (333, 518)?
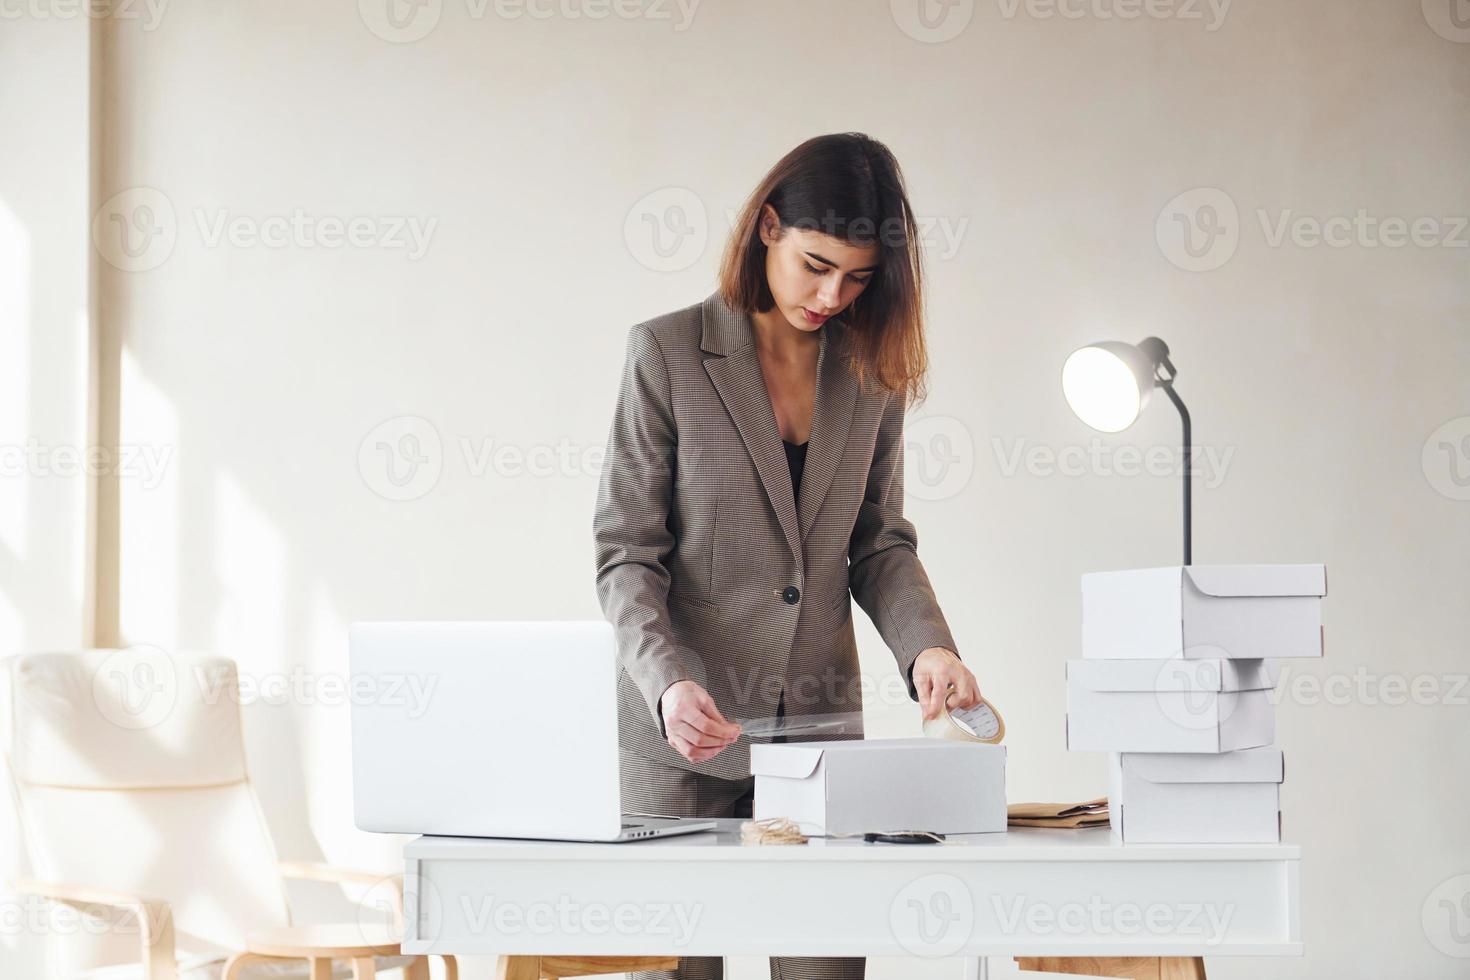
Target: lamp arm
(1168, 386)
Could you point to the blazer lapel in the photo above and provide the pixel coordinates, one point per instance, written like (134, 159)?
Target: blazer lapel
(737, 377)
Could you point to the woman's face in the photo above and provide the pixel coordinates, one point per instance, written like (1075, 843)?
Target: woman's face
(813, 276)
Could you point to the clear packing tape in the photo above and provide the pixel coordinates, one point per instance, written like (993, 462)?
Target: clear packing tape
(980, 723)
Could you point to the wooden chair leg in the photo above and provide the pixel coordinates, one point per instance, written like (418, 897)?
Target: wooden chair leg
(1125, 967)
(238, 962)
(518, 968)
(364, 968)
(321, 968)
(451, 967)
(418, 969)
(1181, 968)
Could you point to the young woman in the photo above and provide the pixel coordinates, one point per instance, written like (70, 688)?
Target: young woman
(753, 480)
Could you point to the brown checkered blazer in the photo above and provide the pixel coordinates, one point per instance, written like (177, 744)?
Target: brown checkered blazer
(706, 567)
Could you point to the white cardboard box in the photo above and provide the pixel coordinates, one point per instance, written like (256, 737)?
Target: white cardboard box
(1230, 798)
(1169, 705)
(1204, 611)
(882, 784)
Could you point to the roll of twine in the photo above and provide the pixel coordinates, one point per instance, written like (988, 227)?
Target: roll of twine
(772, 830)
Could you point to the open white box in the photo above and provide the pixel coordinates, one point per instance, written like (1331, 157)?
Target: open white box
(1204, 611)
(1172, 705)
(1229, 798)
(856, 786)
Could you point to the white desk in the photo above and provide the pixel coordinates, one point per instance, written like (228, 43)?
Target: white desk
(1024, 893)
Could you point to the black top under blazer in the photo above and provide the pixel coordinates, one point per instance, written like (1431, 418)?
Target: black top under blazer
(711, 567)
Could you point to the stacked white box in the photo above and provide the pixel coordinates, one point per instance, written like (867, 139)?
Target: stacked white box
(1174, 683)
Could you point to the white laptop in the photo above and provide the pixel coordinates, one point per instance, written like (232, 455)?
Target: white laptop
(490, 730)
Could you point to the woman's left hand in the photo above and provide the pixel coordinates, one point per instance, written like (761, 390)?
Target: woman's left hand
(935, 670)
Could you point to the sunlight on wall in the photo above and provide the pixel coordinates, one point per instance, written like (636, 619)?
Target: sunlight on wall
(326, 750)
(81, 387)
(149, 536)
(250, 569)
(15, 362)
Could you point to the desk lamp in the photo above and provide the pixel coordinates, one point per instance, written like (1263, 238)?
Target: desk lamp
(1107, 385)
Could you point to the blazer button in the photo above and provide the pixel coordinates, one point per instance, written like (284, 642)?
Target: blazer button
(792, 594)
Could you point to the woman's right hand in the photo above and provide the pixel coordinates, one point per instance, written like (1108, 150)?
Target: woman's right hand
(695, 727)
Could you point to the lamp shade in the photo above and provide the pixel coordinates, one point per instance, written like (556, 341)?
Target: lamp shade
(1107, 384)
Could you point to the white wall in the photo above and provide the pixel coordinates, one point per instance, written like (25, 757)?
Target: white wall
(45, 339)
(1051, 146)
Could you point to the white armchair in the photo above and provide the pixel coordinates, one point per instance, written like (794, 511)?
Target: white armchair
(149, 852)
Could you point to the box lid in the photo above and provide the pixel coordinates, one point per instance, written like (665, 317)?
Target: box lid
(791, 760)
(1258, 580)
(1172, 674)
(1258, 765)
(798, 760)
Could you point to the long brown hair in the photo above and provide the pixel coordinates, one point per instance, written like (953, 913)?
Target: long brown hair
(849, 186)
